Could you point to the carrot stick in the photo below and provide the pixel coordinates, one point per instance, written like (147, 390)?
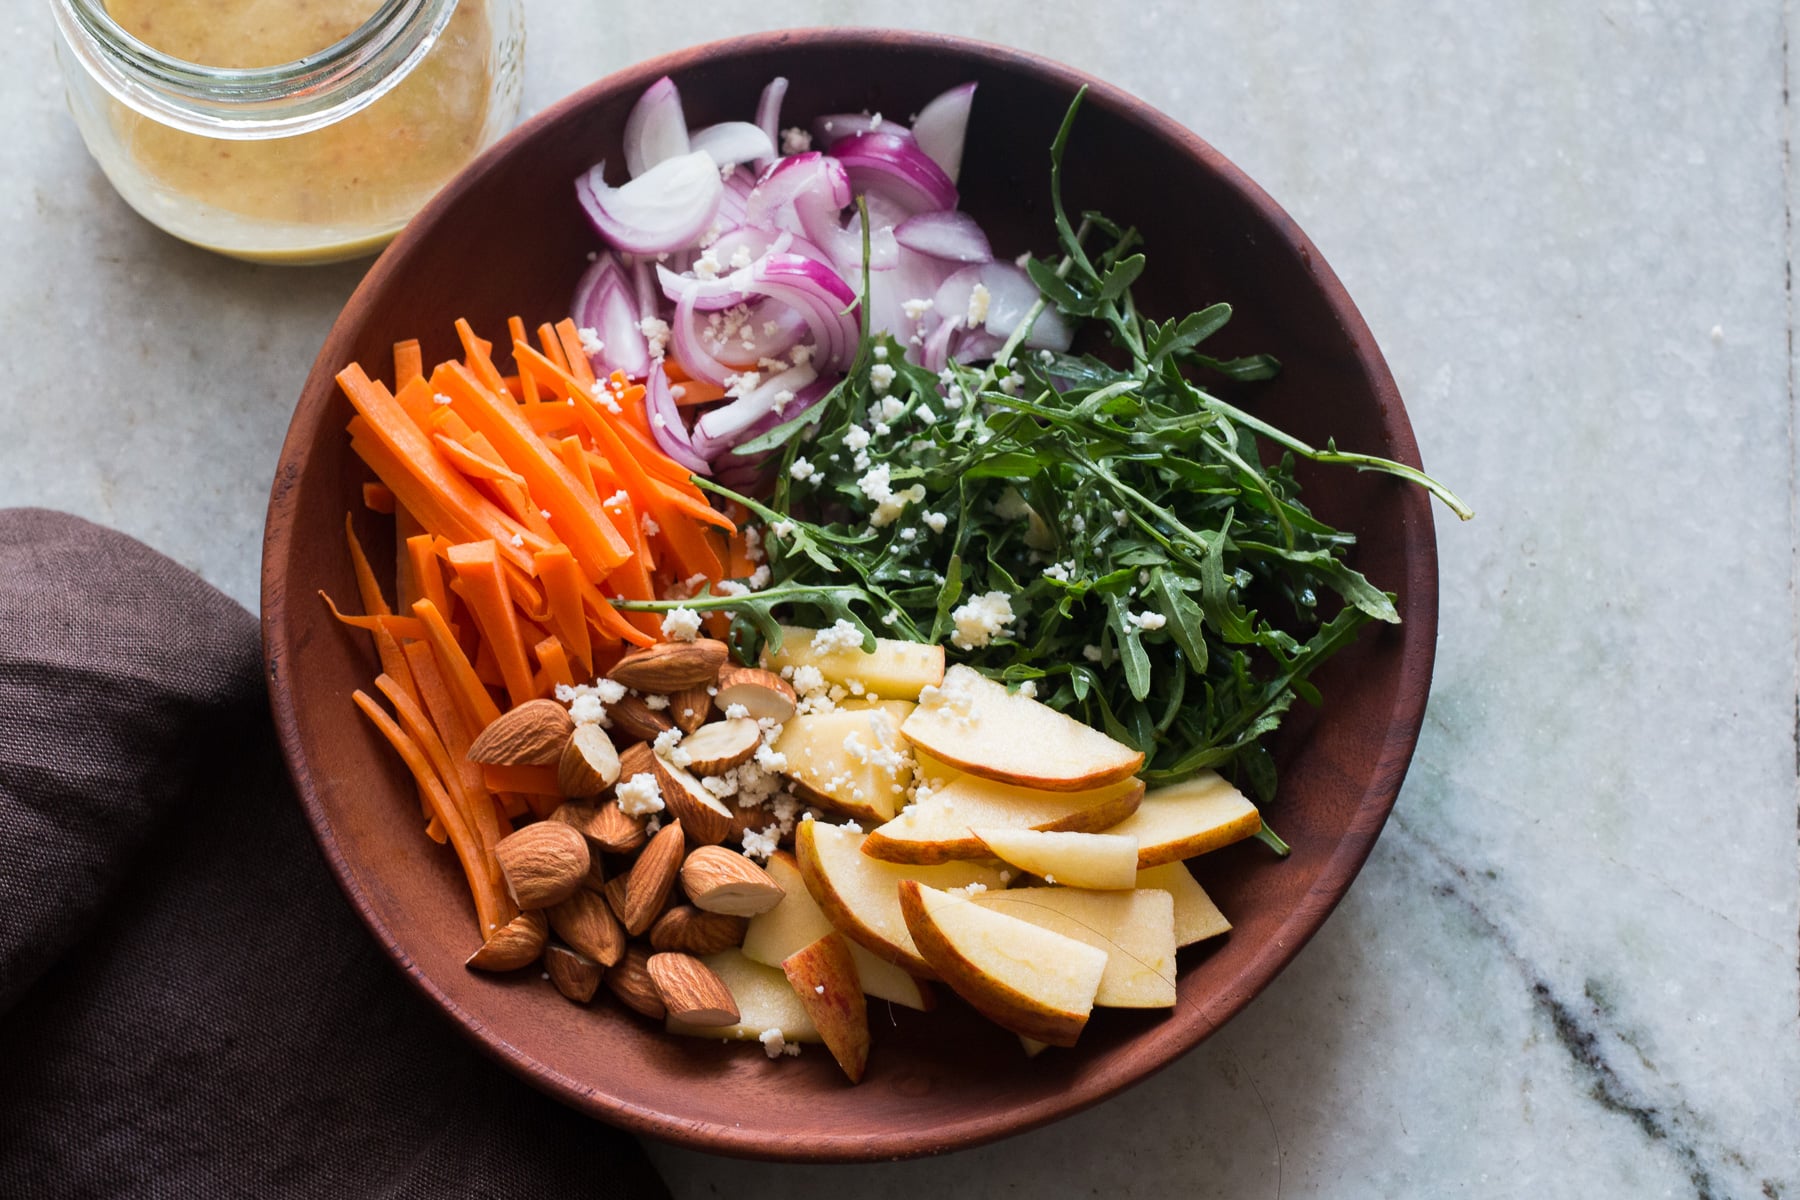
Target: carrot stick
(477, 707)
(552, 348)
(561, 578)
(490, 907)
(428, 576)
(409, 364)
(555, 666)
(393, 659)
(419, 728)
(434, 829)
(406, 576)
(532, 781)
(695, 392)
(374, 604)
(377, 498)
(472, 464)
(512, 804)
(400, 627)
(528, 392)
(477, 356)
(574, 353)
(574, 515)
(440, 705)
(483, 589)
(550, 420)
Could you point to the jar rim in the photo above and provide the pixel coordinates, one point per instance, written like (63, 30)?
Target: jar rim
(250, 103)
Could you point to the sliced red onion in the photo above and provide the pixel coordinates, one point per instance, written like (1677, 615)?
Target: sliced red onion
(819, 295)
(724, 427)
(947, 234)
(733, 142)
(881, 163)
(690, 347)
(742, 475)
(643, 285)
(656, 130)
(835, 127)
(706, 295)
(804, 401)
(604, 303)
(941, 128)
(665, 423)
(1011, 293)
(745, 336)
(811, 181)
(768, 118)
(915, 277)
(666, 208)
(934, 355)
(975, 345)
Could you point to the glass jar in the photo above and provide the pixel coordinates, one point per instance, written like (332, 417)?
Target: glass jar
(294, 131)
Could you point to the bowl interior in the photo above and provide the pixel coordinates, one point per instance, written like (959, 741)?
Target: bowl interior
(507, 238)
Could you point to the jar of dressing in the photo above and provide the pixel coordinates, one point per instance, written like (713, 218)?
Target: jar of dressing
(293, 131)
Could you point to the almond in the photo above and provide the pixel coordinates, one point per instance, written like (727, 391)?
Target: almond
(670, 666)
(635, 760)
(692, 931)
(515, 944)
(629, 980)
(543, 863)
(701, 813)
(690, 990)
(717, 748)
(575, 974)
(764, 694)
(690, 707)
(646, 888)
(589, 764)
(637, 721)
(723, 881)
(586, 923)
(532, 734)
(755, 818)
(614, 830)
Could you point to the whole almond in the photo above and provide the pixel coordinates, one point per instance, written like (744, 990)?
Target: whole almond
(670, 666)
(586, 923)
(543, 863)
(690, 707)
(515, 944)
(646, 888)
(690, 989)
(613, 892)
(636, 759)
(637, 721)
(629, 980)
(701, 813)
(588, 764)
(716, 748)
(532, 734)
(764, 694)
(575, 974)
(616, 831)
(756, 818)
(723, 881)
(692, 931)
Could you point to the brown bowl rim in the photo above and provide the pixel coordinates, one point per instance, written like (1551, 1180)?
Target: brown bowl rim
(1335, 875)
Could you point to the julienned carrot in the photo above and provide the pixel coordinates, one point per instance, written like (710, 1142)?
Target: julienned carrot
(409, 364)
(420, 479)
(552, 347)
(528, 392)
(377, 498)
(400, 627)
(406, 580)
(393, 659)
(374, 604)
(487, 666)
(574, 353)
(472, 464)
(553, 663)
(427, 575)
(491, 907)
(419, 728)
(477, 357)
(554, 419)
(560, 576)
(530, 781)
(696, 391)
(440, 705)
(573, 514)
(483, 589)
(477, 707)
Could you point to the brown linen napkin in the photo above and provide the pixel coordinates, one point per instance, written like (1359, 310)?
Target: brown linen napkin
(188, 1007)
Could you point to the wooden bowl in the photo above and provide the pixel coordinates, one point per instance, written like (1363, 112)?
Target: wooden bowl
(506, 237)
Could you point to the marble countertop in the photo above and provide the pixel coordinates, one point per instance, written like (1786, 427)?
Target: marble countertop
(1569, 968)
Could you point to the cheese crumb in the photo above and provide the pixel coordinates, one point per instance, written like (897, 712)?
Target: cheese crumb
(840, 637)
(681, 625)
(773, 1043)
(736, 712)
(761, 844)
(639, 795)
(978, 305)
(1148, 622)
(795, 141)
(881, 377)
(981, 620)
(972, 889)
(590, 340)
(656, 703)
(1028, 689)
(801, 469)
(656, 333)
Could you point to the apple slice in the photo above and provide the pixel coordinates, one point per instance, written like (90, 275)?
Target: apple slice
(1196, 916)
(824, 977)
(899, 710)
(1080, 860)
(936, 829)
(852, 761)
(1188, 818)
(764, 998)
(860, 895)
(1135, 929)
(798, 921)
(974, 724)
(896, 671)
(1022, 977)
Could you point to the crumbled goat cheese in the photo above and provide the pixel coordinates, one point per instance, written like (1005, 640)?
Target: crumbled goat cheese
(590, 340)
(841, 636)
(1010, 506)
(936, 521)
(801, 469)
(881, 377)
(1121, 518)
(1028, 689)
(978, 305)
(656, 333)
(639, 795)
(649, 526)
(981, 620)
(736, 712)
(518, 541)
(440, 399)
(915, 310)
(656, 702)
(1148, 621)
(969, 889)
(772, 1042)
(762, 844)
(681, 625)
(880, 353)
(795, 141)
(782, 529)
(856, 438)
(1060, 571)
